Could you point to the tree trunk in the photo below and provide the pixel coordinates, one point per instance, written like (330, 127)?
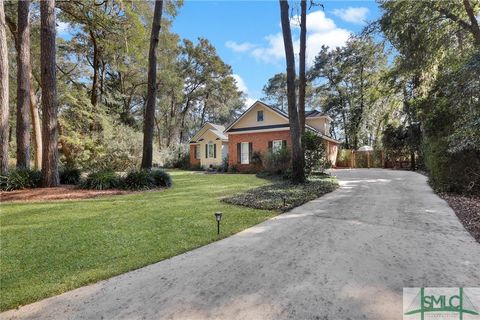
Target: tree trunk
(412, 160)
(4, 110)
(36, 129)
(475, 29)
(182, 128)
(298, 173)
(204, 111)
(183, 115)
(149, 118)
(302, 82)
(96, 66)
(344, 120)
(67, 153)
(159, 133)
(23, 85)
(50, 176)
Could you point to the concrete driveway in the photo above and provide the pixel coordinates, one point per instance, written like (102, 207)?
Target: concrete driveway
(344, 256)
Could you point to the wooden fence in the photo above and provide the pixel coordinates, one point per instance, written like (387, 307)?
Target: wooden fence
(360, 159)
(348, 158)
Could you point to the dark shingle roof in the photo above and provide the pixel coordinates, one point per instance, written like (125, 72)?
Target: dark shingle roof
(313, 113)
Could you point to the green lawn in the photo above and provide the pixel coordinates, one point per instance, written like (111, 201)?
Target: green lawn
(51, 247)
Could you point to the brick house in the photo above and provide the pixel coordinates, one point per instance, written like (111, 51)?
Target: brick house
(262, 128)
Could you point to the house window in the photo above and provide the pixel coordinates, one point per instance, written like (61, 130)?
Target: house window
(210, 150)
(244, 154)
(197, 152)
(277, 145)
(260, 115)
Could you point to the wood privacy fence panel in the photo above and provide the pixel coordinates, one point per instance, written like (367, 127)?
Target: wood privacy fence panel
(345, 158)
(348, 158)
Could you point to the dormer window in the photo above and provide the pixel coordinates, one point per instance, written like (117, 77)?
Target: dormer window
(259, 115)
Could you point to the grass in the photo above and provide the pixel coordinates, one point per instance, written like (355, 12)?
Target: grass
(270, 197)
(47, 248)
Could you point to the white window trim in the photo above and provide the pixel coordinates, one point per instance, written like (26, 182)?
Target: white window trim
(245, 157)
(263, 115)
(197, 152)
(210, 151)
(277, 145)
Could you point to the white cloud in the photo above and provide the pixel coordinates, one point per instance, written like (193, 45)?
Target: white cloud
(243, 87)
(354, 15)
(249, 102)
(316, 22)
(273, 51)
(333, 38)
(320, 31)
(240, 83)
(239, 47)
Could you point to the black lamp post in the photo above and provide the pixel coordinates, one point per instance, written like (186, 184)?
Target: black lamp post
(218, 217)
(284, 201)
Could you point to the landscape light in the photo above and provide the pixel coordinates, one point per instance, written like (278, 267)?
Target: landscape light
(284, 201)
(218, 217)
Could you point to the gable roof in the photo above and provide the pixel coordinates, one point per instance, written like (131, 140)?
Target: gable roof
(317, 114)
(279, 112)
(219, 130)
(214, 128)
(313, 113)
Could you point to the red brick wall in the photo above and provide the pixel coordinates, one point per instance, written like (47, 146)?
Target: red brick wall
(193, 161)
(259, 143)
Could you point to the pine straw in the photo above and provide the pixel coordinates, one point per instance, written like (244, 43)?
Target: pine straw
(64, 192)
(467, 209)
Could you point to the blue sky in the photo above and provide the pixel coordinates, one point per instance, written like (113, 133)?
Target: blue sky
(247, 34)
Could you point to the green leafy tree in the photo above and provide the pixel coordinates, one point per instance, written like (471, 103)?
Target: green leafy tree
(350, 81)
(437, 45)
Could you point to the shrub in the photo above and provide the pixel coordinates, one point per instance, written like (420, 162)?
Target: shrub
(138, 180)
(101, 180)
(178, 157)
(146, 179)
(112, 145)
(70, 175)
(233, 169)
(315, 153)
(20, 179)
(224, 167)
(277, 162)
(161, 178)
(122, 148)
(257, 158)
(195, 167)
(452, 172)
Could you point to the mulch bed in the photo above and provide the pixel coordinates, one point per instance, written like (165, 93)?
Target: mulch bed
(64, 192)
(271, 197)
(467, 209)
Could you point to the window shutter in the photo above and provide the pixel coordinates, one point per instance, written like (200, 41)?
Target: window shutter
(270, 145)
(215, 150)
(206, 151)
(195, 150)
(250, 151)
(239, 152)
(284, 143)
